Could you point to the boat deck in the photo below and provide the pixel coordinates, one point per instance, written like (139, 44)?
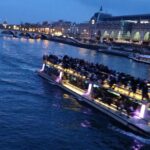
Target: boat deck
(116, 88)
(136, 121)
(73, 88)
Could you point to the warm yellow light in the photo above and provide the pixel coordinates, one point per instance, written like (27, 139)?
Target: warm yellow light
(15, 27)
(47, 30)
(58, 33)
(93, 21)
(31, 41)
(30, 29)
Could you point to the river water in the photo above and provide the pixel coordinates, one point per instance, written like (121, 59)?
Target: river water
(35, 115)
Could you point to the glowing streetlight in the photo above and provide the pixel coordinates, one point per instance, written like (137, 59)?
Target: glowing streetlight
(93, 21)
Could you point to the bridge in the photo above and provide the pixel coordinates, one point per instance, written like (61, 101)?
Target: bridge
(28, 34)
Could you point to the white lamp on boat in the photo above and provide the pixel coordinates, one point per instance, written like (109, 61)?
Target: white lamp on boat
(88, 93)
(43, 67)
(142, 111)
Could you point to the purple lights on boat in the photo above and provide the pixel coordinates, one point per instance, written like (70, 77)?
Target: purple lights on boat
(88, 93)
(142, 111)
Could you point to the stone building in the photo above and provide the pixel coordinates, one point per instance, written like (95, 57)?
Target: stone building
(133, 28)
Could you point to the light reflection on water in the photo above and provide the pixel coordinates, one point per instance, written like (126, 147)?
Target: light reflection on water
(23, 40)
(136, 145)
(45, 44)
(31, 41)
(82, 51)
(38, 40)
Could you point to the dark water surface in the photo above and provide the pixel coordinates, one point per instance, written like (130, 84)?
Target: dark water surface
(35, 115)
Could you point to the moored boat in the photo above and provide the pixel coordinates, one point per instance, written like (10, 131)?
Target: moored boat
(140, 58)
(85, 86)
(118, 52)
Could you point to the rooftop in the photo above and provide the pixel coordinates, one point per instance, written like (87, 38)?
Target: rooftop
(109, 17)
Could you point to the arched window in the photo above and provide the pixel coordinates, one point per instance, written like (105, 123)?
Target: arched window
(147, 36)
(119, 35)
(106, 34)
(137, 36)
(128, 35)
(112, 35)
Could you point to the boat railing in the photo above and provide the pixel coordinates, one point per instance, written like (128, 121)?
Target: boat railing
(73, 87)
(66, 82)
(123, 112)
(98, 101)
(112, 107)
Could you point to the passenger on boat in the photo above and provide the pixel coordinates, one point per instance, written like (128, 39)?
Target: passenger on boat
(145, 91)
(96, 72)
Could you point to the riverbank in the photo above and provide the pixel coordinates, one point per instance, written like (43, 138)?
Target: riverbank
(111, 48)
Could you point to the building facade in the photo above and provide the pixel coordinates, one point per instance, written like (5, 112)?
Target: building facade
(133, 28)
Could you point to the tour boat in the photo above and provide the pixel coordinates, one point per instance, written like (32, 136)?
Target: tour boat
(101, 98)
(141, 58)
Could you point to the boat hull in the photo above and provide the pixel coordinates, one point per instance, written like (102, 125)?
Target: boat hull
(115, 52)
(140, 61)
(124, 120)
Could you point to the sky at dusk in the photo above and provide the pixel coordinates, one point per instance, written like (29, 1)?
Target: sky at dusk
(16, 11)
